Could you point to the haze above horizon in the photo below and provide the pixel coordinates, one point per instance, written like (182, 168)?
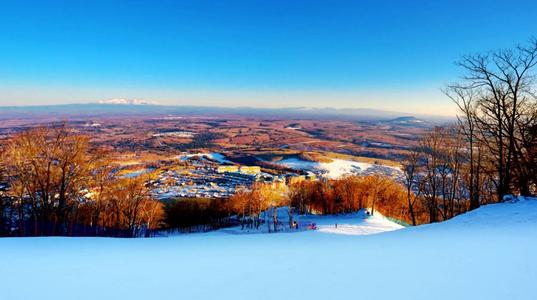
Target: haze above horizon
(389, 55)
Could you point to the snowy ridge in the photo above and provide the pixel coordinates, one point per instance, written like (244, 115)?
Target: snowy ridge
(519, 213)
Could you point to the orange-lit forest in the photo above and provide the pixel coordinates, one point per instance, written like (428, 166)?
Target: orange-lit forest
(59, 185)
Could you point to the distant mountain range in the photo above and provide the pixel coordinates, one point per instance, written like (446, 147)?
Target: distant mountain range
(125, 107)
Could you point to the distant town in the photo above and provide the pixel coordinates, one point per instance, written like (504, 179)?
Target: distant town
(200, 175)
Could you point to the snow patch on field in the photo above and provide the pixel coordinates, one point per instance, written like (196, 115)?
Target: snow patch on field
(334, 169)
(219, 157)
(298, 164)
(340, 167)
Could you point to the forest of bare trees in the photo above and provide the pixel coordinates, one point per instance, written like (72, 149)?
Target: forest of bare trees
(59, 185)
(490, 153)
(498, 118)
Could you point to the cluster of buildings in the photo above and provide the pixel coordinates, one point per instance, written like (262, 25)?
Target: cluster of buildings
(203, 179)
(197, 183)
(248, 170)
(177, 134)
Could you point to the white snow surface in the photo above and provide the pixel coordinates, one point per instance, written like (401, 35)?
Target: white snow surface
(489, 253)
(350, 224)
(339, 167)
(219, 157)
(334, 169)
(355, 224)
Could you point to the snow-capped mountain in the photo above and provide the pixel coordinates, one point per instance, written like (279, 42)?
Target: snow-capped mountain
(124, 101)
(406, 120)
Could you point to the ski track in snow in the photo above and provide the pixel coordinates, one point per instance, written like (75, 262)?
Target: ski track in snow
(489, 253)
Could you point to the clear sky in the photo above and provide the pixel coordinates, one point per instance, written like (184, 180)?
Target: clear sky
(393, 55)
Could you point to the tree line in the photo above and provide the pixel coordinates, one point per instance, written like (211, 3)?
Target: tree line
(197, 215)
(60, 185)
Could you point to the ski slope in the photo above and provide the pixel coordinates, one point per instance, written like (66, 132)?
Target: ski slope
(489, 253)
(350, 224)
(355, 224)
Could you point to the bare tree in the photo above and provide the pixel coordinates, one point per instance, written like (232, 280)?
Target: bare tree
(430, 186)
(47, 168)
(497, 98)
(465, 99)
(411, 173)
(240, 203)
(379, 184)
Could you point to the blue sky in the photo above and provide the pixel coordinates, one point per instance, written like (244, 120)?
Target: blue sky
(393, 55)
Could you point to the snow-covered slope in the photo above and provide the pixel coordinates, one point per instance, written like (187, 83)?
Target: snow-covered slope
(219, 157)
(336, 167)
(355, 224)
(490, 253)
